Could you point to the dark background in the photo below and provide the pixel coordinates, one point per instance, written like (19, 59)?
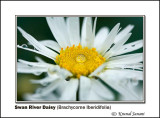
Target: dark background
(38, 28)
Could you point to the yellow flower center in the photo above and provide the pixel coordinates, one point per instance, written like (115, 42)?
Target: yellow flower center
(79, 61)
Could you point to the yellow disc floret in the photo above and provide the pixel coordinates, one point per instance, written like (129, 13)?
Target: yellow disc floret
(79, 61)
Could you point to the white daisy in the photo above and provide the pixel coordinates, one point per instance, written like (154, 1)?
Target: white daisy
(88, 67)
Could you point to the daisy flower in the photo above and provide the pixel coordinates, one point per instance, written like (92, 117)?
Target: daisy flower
(89, 66)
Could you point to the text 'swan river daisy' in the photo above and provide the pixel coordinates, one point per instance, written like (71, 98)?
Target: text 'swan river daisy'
(89, 66)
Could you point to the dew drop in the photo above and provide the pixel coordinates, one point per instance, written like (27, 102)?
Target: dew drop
(24, 45)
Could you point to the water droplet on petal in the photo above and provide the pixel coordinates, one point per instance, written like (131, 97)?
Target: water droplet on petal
(24, 45)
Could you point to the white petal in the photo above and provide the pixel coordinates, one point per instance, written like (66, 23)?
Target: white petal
(60, 89)
(94, 31)
(32, 97)
(109, 41)
(94, 97)
(34, 67)
(35, 51)
(51, 44)
(70, 91)
(122, 66)
(37, 64)
(87, 34)
(101, 37)
(91, 89)
(123, 33)
(120, 80)
(50, 88)
(94, 27)
(117, 46)
(122, 74)
(37, 45)
(85, 88)
(61, 72)
(23, 68)
(59, 30)
(45, 80)
(127, 59)
(137, 90)
(73, 30)
(99, 69)
(28, 67)
(51, 97)
(130, 47)
(38, 97)
(51, 69)
(39, 59)
(102, 90)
